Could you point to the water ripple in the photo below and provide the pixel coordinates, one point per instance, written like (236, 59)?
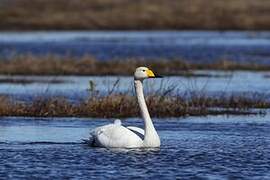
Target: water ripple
(200, 149)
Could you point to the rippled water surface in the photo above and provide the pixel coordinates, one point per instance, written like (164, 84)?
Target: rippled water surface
(213, 147)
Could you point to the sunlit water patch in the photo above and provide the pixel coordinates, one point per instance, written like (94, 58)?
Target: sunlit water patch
(213, 147)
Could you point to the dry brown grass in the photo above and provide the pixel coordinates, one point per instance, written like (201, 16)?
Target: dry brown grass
(122, 105)
(87, 65)
(130, 14)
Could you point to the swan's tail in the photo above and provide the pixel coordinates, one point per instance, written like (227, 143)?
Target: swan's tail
(90, 141)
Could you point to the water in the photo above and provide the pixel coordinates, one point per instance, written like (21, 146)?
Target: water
(196, 46)
(76, 87)
(213, 147)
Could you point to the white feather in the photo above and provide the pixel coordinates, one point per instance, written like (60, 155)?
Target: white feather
(117, 136)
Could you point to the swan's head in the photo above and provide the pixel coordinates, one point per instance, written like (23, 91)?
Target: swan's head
(142, 73)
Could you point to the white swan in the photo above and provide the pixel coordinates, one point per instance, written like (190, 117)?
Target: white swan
(117, 136)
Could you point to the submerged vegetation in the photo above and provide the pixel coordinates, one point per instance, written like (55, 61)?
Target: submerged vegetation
(88, 65)
(123, 105)
(130, 14)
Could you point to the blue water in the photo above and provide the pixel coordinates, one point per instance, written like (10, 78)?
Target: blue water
(196, 46)
(213, 147)
(77, 87)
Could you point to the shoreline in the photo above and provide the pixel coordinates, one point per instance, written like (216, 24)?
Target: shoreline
(50, 64)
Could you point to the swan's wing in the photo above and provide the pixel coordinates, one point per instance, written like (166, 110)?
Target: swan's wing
(115, 135)
(139, 130)
(136, 130)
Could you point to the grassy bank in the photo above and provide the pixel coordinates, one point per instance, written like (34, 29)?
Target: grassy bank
(122, 105)
(87, 65)
(129, 14)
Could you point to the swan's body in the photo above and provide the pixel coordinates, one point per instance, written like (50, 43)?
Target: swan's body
(117, 136)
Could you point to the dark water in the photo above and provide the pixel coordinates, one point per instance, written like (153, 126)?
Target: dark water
(197, 46)
(214, 147)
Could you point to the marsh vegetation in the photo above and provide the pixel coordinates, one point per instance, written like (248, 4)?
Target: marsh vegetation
(130, 15)
(88, 65)
(115, 105)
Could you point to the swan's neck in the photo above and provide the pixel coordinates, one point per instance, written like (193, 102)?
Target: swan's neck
(151, 138)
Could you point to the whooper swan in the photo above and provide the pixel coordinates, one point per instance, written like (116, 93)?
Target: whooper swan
(117, 136)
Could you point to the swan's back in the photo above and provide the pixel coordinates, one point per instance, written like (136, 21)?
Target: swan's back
(115, 135)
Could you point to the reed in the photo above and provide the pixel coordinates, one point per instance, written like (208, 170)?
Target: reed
(123, 105)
